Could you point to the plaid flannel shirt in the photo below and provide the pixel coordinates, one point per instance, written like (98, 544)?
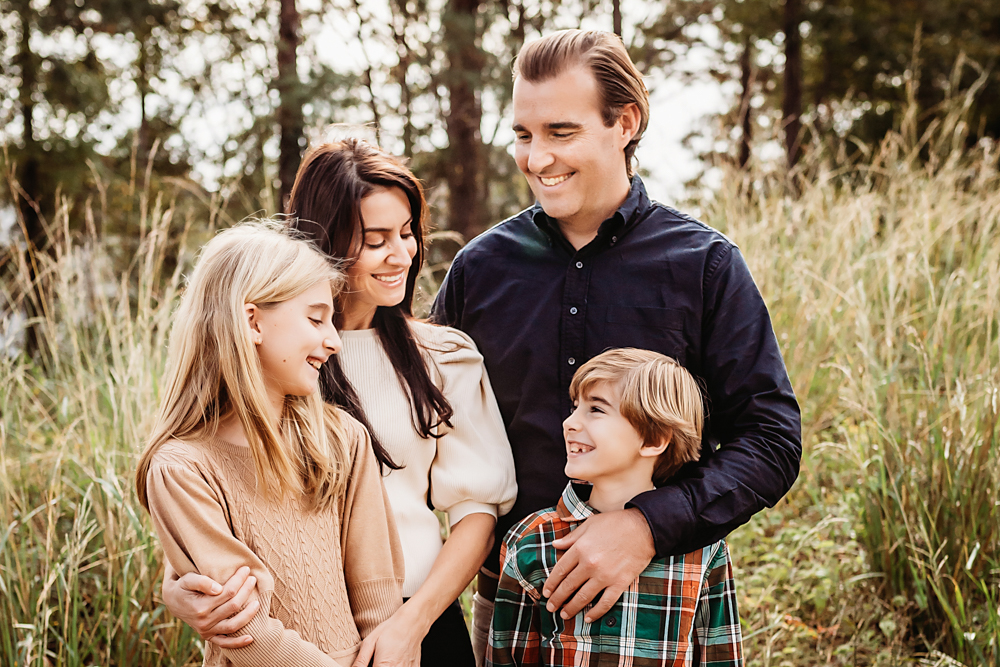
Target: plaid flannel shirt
(680, 611)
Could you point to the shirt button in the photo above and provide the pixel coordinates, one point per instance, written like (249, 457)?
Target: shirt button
(614, 239)
(579, 265)
(571, 361)
(611, 622)
(572, 311)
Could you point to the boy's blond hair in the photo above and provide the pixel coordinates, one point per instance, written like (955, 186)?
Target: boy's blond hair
(659, 398)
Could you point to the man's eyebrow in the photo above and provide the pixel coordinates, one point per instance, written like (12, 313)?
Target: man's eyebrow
(559, 125)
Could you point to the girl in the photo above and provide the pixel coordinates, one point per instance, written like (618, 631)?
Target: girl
(422, 390)
(247, 467)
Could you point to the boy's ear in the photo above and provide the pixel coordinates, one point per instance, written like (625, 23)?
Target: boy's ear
(657, 447)
(252, 313)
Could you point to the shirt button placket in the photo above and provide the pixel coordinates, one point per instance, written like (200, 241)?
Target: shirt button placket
(573, 324)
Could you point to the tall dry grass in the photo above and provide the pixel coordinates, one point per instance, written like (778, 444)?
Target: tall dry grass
(883, 280)
(78, 562)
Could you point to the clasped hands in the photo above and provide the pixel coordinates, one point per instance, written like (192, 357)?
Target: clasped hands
(602, 558)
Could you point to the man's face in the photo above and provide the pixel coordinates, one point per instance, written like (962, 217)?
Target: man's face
(574, 164)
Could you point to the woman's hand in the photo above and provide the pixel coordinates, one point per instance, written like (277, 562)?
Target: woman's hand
(212, 610)
(394, 643)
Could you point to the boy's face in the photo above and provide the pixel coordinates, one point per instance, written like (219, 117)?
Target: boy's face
(600, 443)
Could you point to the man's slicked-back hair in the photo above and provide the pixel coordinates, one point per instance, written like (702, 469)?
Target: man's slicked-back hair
(618, 81)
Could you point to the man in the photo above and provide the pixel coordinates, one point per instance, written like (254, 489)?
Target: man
(595, 265)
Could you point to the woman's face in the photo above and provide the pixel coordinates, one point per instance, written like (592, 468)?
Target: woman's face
(385, 250)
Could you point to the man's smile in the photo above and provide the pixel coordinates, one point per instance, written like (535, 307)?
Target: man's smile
(554, 180)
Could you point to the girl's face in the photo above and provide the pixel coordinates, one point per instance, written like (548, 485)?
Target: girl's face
(385, 252)
(294, 338)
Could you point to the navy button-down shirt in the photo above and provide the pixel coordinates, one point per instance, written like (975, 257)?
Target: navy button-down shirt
(652, 278)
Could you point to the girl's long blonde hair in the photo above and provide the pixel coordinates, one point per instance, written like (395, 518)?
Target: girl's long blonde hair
(214, 370)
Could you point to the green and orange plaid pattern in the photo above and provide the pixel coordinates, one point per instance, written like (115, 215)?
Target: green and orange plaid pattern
(680, 611)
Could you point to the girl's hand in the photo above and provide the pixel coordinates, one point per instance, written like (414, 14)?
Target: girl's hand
(212, 610)
(394, 643)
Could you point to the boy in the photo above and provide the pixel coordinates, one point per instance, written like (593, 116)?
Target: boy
(637, 418)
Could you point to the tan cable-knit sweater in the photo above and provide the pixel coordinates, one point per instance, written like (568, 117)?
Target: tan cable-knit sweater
(325, 578)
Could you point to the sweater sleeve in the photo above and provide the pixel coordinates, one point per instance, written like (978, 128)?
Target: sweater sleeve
(190, 518)
(373, 557)
(473, 470)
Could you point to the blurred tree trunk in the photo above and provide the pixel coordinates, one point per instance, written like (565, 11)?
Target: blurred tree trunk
(29, 179)
(616, 13)
(464, 158)
(791, 107)
(746, 94)
(291, 121)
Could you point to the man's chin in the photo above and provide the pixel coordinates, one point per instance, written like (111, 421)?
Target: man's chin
(555, 207)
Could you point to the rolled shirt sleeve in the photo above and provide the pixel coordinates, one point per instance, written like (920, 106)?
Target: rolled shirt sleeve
(753, 412)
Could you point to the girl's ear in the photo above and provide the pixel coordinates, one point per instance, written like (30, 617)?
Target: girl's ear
(253, 315)
(657, 447)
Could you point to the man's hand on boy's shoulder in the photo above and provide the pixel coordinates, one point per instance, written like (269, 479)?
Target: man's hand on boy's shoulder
(608, 552)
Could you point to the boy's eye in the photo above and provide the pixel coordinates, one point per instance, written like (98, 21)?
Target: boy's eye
(594, 408)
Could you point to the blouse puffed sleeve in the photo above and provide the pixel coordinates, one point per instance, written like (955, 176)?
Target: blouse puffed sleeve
(473, 470)
(191, 522)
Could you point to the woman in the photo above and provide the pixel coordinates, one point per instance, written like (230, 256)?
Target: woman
(247, 468)
(421, 389)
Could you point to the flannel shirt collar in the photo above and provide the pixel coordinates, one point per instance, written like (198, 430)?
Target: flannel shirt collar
(573, 504)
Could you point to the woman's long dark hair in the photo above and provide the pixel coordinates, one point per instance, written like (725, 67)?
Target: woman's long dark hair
(325, 205)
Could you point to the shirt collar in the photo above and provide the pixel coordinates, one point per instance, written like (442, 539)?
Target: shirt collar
(624, 217)
(573, 504)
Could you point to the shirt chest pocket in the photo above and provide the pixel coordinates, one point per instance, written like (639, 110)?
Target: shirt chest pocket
(657, 329)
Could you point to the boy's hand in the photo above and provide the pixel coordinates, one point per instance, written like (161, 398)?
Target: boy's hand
(608, 552)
